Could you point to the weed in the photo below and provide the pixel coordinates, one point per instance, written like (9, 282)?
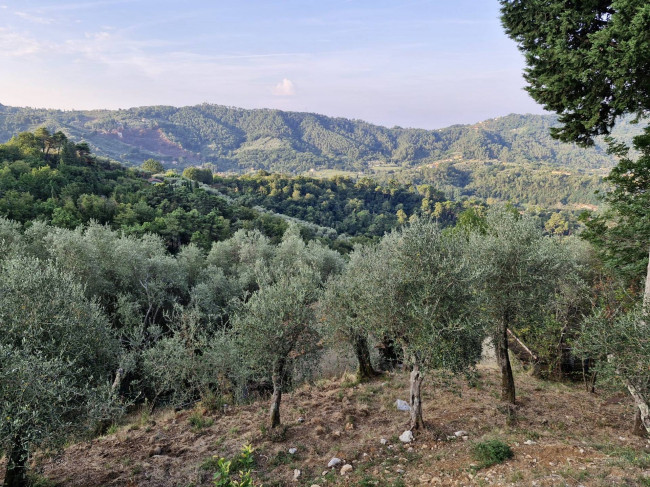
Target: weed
(36, 480)
(212, 402)
(491, 452)
(624, 454)
(282, 458)
(199, 422)
(349, 380)
(112, 429)
(232, 473)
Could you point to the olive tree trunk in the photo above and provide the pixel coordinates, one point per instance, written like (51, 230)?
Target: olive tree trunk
(642, 417)
(646, 294)
(362, 352)
(16, 473)
(278, 375)
(416, 399)
(507, 379)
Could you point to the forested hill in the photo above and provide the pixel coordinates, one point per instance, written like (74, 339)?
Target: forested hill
(235, 139)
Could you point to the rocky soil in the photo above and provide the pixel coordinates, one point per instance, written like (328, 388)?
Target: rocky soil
(562, 436)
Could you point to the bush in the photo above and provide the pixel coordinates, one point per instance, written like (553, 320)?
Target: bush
(491, 452)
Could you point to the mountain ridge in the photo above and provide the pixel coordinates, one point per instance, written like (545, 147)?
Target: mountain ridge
(239, 140)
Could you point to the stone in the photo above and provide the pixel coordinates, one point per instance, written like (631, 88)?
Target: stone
(345, 469)
(336, 434)
(425, 478)
(530, 442)
(349, 426)
(406, 437)
(292, 451)
(334, 462)
(460, 433)
(296, 474)
(402, 405)
(301, 420)
(383, 441)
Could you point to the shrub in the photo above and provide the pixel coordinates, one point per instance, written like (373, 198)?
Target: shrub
(491, 452)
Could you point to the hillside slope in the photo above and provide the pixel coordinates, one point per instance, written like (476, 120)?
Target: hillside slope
(564, 436)
(239, 140)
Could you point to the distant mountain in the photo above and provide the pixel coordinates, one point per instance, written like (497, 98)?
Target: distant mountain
(235, 139)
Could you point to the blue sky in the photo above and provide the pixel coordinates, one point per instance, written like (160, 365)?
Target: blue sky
(417, 63)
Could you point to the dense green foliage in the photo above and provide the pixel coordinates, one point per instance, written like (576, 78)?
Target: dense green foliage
(622, 233)
(587, 61)
(519, 184)
(67, 186)
(362, 207)
(57, 354)
(590, 65)
(241, 140)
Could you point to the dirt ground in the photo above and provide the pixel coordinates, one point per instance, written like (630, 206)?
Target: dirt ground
(562, 436)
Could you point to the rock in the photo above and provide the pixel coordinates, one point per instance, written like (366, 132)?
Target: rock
(336, 434)
(402, 405)
(530, 442)
(334, 462)
(345, 469)
(292, 451)
(349, 426)
(296, 474)
(425, 478)
(460, 433)
(155, 451)
(301, 420)
(406, 437)
(315, 485)
(383, 441)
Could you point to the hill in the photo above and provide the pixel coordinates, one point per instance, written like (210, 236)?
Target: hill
(564, 436)
(235, 139)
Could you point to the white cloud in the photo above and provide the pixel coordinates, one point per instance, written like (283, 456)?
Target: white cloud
(14, 44)
(284, 88)
(37, 19)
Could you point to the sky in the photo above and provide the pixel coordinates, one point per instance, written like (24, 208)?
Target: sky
(411, 63)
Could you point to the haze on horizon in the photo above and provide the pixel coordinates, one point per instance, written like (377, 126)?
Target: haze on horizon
(417, 63)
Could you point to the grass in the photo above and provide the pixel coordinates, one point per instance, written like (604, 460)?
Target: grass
(199, 422)
(623, 455)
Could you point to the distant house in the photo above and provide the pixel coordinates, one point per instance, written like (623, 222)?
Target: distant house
(155, 181)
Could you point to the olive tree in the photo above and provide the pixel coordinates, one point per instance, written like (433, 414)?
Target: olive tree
(621, 343)
(516, 269)
(419, 295)
(56, 357)
(342, 313)
(275, 327)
